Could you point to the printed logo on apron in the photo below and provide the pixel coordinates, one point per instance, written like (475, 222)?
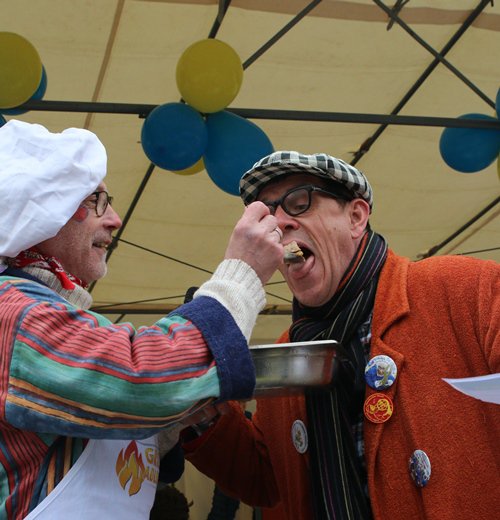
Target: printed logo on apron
(133, 470)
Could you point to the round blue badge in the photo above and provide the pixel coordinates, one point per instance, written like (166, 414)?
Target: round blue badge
(380, 372)
(420, 468)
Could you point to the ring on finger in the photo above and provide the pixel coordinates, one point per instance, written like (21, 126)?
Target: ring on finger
(280, 233)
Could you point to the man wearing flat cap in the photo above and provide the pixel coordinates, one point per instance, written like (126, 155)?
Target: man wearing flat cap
(389, 438)
(82, 400)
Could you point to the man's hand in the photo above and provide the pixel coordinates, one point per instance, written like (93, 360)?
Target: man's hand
(256, 240)
(207, 414)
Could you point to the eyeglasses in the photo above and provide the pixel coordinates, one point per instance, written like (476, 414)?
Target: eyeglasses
(298, 200)
(101, 201)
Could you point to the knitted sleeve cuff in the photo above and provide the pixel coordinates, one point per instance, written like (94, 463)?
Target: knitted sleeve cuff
(236, 286)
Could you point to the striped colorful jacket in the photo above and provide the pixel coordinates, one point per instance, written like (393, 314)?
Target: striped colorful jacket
(68, 375)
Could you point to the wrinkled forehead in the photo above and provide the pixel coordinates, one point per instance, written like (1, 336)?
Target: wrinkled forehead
(277, 187)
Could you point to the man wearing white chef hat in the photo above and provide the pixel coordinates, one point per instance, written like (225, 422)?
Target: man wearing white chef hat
(83, 399)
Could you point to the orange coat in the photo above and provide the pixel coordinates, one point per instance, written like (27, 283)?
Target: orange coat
(437, 318)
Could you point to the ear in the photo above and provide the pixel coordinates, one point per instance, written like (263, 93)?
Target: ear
(359, 215)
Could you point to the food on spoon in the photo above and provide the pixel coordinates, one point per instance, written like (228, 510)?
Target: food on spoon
(293, 254)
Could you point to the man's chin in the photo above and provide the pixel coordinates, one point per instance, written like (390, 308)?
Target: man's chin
(311, 298)
(97, 273)
(103, 271)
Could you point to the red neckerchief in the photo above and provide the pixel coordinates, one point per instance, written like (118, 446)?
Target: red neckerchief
(36, 259)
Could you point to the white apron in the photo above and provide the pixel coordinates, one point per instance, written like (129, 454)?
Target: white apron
(111, 479)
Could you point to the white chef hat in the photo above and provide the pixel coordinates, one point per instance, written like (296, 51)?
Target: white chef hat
(44, 177)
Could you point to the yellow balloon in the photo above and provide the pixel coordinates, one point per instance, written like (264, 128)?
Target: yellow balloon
(196, 168)
(20, 70)
(209, 74)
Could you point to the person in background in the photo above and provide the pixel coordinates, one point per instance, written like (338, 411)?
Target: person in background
(170, 504)
(389, 438)
(83, 400)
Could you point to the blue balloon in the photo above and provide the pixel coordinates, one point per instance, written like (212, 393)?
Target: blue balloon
(2, 121)
(38, 94)
(174, 136)
(469, 150)
(234, 146)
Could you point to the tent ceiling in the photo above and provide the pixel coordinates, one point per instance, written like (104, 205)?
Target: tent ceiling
(343, 67)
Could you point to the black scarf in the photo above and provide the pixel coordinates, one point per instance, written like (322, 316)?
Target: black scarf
(338, 478)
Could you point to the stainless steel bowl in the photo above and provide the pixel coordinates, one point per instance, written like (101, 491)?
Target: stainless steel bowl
(285, 368)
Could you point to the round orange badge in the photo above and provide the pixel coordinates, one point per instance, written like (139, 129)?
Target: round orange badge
(378, 408)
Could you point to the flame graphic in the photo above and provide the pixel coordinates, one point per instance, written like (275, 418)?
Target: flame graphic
(130, 467)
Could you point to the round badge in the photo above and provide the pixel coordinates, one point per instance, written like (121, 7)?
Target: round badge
(299, 436)
(380, 372)
(378, 408)
(420, 468)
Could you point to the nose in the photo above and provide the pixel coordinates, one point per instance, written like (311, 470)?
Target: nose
(285, 221)
(111, 218)
(272, 206)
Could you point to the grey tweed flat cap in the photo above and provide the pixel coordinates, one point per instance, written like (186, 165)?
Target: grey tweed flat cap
(319, 164)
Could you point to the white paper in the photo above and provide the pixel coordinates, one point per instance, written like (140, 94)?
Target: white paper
(484, 388)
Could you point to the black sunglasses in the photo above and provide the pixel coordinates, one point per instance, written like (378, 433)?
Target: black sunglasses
(298, 200)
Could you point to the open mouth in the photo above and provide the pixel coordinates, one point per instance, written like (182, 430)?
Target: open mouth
(295, 254)
(305, 251)
(101, 245)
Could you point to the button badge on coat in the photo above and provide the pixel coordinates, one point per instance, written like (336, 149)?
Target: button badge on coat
(378, 408)
(299, 436)
(420, 468)
(380, 372)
